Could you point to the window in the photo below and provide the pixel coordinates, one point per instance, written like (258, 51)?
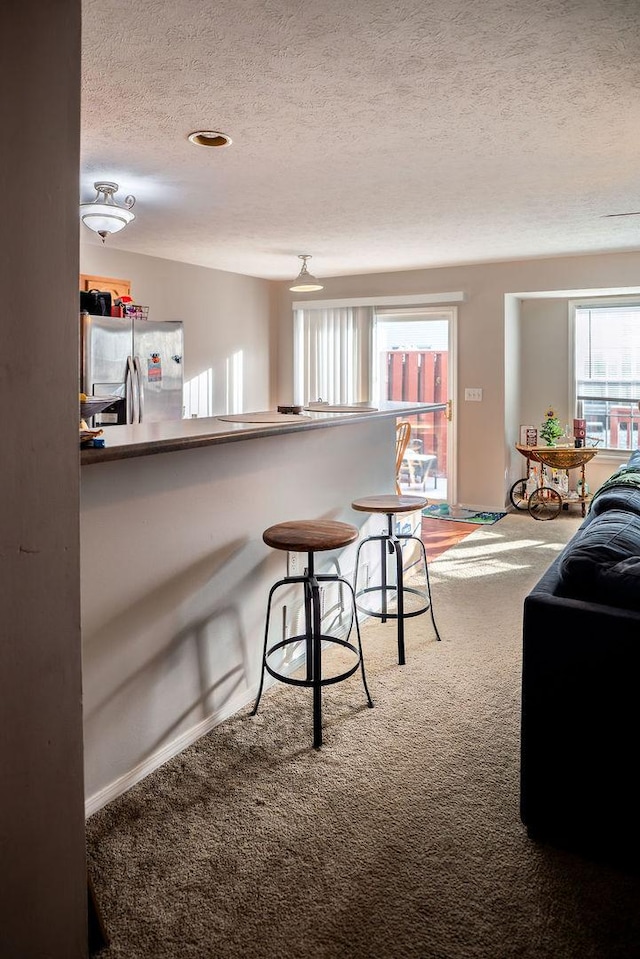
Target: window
(607, 371)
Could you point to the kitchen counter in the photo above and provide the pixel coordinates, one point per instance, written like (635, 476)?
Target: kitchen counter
(145, 439)
(175, 574)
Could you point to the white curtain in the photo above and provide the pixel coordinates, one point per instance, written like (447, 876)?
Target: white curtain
(333, 354)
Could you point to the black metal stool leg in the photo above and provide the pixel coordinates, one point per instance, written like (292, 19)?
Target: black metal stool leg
(357, 565)
(308, 628)
(423, 553)
(355, 619)
(426, 571)
(316, 641)
(383, 579)
(313, 646)
(397, 548)
(264, 652)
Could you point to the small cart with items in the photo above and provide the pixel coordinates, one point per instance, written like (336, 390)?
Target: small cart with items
(543, 501)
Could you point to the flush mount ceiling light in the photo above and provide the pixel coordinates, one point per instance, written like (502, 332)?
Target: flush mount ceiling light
(305, 282)
(209, 138)
(102, 214)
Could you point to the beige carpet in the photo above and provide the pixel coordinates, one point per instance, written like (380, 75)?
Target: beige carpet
(401, 838)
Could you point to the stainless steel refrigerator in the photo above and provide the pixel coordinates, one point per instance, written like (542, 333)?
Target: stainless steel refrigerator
(138, 361)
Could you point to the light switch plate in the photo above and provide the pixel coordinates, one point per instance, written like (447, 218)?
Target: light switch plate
(473, 393)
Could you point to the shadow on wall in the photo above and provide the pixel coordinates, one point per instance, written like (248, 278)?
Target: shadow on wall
(138, 680)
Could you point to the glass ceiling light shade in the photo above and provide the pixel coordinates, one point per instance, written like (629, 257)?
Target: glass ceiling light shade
(102, 214)
(305, 282)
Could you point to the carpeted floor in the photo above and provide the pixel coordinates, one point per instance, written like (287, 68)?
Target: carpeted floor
(400, 838)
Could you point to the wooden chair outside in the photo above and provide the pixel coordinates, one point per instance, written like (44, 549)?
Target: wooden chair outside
(403, 435)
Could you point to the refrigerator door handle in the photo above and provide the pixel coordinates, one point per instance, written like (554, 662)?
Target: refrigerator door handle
(140, 388)
(129, 391)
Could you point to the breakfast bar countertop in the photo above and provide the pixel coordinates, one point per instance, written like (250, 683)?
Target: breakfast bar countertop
(145, 439)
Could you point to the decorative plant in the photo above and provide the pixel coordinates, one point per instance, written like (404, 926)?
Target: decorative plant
(551, 429)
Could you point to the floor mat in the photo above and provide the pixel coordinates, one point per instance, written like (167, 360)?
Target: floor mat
(458, 514)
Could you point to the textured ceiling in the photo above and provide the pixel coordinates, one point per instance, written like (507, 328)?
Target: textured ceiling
(376, 135)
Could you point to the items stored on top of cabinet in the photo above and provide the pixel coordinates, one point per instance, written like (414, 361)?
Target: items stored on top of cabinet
(126, 307)
(109, 296)
(96, 302)
(97, 293)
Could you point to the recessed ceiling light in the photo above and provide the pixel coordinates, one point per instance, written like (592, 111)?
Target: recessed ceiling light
(210, 138)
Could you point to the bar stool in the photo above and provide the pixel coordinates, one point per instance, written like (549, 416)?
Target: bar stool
(394, 592)
(310, 537)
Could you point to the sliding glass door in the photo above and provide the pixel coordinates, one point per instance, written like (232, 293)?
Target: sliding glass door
(414, 361)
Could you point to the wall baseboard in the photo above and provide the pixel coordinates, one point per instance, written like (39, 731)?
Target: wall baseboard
(121, 785)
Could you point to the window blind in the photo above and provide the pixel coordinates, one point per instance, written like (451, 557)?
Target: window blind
(332, 358)
(607, 351)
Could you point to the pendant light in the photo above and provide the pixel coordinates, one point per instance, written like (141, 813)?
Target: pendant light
(102, 214)
(305, 282)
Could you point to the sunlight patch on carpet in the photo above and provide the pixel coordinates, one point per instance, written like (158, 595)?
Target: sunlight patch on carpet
(490, 556)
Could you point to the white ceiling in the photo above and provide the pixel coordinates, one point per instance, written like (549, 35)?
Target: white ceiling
(376, 135)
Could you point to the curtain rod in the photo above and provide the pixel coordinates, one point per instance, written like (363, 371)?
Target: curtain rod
(410, 299)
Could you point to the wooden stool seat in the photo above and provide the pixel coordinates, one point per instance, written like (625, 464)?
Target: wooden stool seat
(389, 504)
(310, 536)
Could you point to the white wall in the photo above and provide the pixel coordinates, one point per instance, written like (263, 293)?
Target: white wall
(512, 381)
(486, 432)
(544, 328)
(225, 316)
(43, 878)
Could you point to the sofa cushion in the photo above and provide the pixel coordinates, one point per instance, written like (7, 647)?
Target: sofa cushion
(634, 459)
(621, 583)
(621, 490)
(621, 497)
(599, 564)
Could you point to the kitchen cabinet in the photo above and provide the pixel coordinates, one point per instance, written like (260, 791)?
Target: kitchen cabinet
(106, 284)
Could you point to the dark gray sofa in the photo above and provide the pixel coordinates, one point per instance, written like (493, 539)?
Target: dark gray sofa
(580, 721)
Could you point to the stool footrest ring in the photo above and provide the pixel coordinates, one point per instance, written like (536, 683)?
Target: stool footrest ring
(323, 681)
(407, 614)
